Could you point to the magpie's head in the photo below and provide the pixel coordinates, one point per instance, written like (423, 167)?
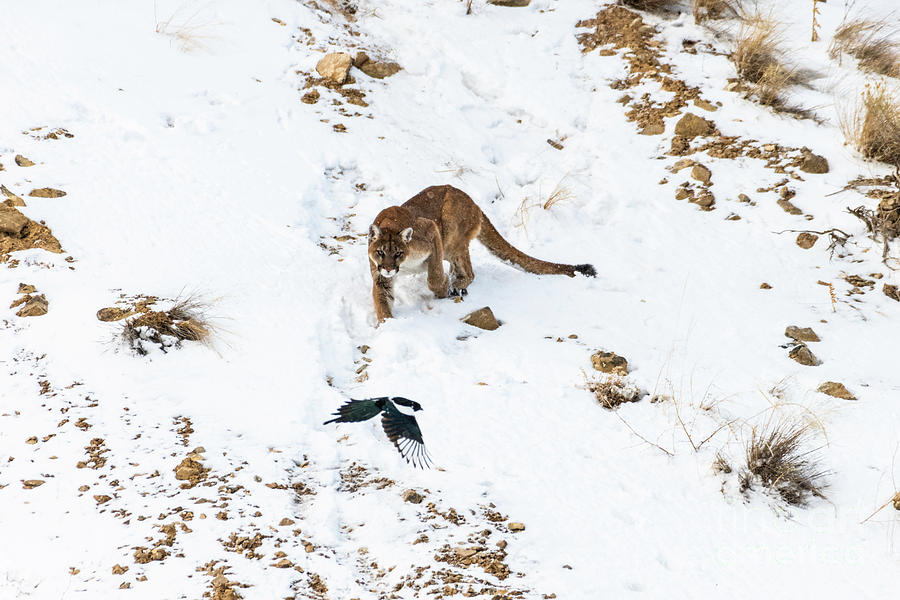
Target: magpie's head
(407, 402)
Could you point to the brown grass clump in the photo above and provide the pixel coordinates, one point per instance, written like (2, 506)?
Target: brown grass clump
(715, 9)
(187, 320)
(778, 459)
(613, 390)
(873, 43)
(873, 125)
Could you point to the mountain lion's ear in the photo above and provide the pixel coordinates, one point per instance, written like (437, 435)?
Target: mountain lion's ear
(406, 234)
(374, 232)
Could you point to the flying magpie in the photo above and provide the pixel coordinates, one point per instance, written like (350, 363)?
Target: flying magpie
(400, 428)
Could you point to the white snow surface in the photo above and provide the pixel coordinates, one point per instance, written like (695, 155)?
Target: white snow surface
(196, 168)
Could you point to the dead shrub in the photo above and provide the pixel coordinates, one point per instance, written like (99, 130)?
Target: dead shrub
(715, 9)
(872, 126)
(612, 391)
(190, 31)
(873, 43)
(186, 320)
(779, 460)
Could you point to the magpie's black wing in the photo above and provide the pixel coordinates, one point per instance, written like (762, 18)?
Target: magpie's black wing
(404, 432)
(354, 411)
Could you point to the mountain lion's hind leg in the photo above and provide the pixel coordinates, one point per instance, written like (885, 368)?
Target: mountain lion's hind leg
(461, 273)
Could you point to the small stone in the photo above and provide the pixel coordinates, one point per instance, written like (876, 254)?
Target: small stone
(683, 193)
(705, 105)
(83, 488)
(379, 70)
(765, 286)
(360, 59)
(46, 192)
(310, 97)
(679, 146)
(113, 313)
(682, 163)
(35, 306)
(807, 240)
(483, 318)
(334, 67)
(26, 288)
(690, 126)
(813, 163)
(701, 173)
(743, 197)
(279, 21)
(12, 222)
(609, 362)
(23, 162)
(516, 526)
(285, 521)
(102, 498)
(801, 334)
(788, 207)
(309, 547)
(31, 440)
(465, 552)
(891, 291)
(29, 484)
(836, 390)
(513, 3)
(733, 217)
(283, 564)
(770, 147)
(188, 469)
(119, 569)
(653, 128)
(803, 355)
(11, 199)
(705, 199)
(413, 496)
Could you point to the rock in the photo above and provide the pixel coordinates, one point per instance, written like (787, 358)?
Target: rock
(12, 222)
(807, 240)
(891, 292)
(836, 390)
(690, 126)
(46, 192)
(705, 199)
(482, 318)
(143, 556)
(30, 484)
(310, 97)
(609, 362)
(813, 163)
(515, 526)
(701, 173)
(513, 3)
(334, 67)
(25, 288)
(413, 496)
(34, 306)
(682, 163)
(379, 70)
(788, 207)
(801, 334)
(23, 162)
(360, 59)
(680, 146)
(284, 563)
(803, 355)
(189, 470)
(743, 197)
(113, 313)
(11, 199)
(683, 193)
(119, 569)
(765, 286)
(102, 498)
(705, 105)
(285, 521)
(465, 552)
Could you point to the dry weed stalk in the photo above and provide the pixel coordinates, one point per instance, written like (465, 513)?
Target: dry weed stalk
(777, 458)
(873, 125)
(187, 320)
(873, 43)
(191, 33)
(815, 22)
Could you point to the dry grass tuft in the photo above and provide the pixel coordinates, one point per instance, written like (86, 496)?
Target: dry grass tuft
(613, 390)
(650, 5)
(187, 320)
(873, 43)
(873, 124)
(778, 459)
(716, 9)
(190, 31)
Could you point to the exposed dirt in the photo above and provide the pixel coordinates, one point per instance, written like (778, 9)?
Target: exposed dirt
(32, 235)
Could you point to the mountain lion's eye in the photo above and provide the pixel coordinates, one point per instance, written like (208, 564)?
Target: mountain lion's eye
(379, 253)
(398, 255)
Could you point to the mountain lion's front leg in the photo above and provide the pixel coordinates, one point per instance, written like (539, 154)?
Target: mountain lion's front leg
(382, 295)
(438, 282)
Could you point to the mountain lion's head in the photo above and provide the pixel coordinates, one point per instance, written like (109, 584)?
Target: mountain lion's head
(388, 249)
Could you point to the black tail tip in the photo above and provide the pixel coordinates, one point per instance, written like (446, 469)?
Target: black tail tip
(586, 270)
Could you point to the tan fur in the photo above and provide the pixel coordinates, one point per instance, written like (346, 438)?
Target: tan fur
(438, 224)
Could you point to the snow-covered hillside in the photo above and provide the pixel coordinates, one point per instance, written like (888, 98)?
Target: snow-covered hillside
(201, 155)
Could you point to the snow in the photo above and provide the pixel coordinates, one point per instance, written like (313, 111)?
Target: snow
(199, 170)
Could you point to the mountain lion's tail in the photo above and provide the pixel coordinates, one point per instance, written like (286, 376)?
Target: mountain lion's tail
(499, 247)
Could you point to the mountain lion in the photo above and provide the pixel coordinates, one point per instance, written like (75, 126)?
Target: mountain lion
(437, 224)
